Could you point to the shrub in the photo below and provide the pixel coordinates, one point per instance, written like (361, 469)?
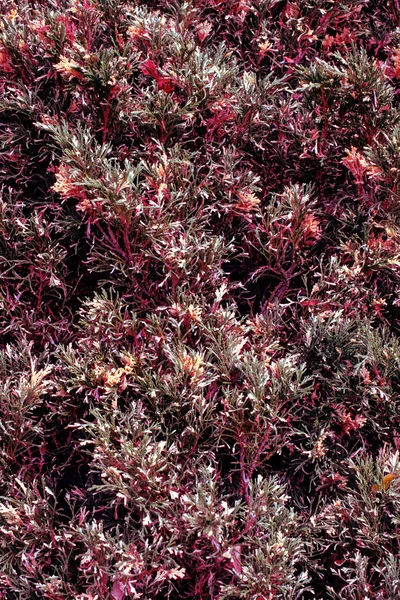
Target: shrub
(199, 299)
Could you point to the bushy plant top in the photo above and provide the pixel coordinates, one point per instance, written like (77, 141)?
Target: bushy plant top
(199, 300)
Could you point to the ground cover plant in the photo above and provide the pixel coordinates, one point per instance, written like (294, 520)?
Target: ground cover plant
(199, 300)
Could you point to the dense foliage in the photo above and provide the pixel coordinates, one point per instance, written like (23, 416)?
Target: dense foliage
(199, 299)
